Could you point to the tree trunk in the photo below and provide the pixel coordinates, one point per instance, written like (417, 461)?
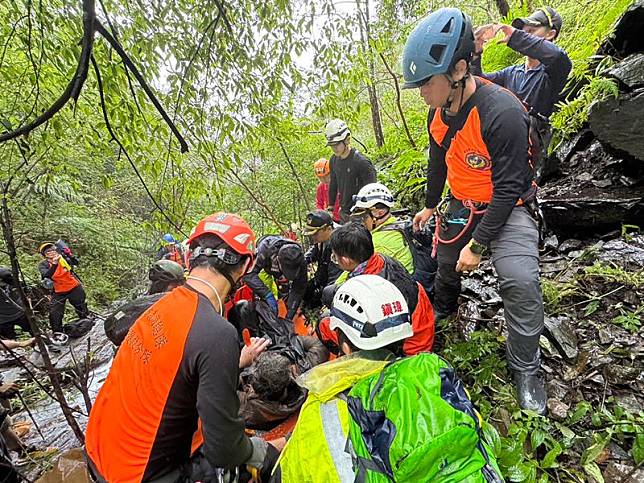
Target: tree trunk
(503, 7)
(7, 232)
(365, 33)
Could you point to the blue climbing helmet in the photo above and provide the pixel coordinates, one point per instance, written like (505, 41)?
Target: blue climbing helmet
(439, 41)
(168, 238)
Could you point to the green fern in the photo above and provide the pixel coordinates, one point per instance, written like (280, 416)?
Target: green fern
(572, 115)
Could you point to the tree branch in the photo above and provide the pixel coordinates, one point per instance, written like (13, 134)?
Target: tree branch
(305, 197)
(142, 82)
(400, 110)
(252, 194)
(6, 223)
(75, 86)
(108, 126)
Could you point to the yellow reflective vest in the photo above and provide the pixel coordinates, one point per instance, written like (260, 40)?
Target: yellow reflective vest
(316, 450)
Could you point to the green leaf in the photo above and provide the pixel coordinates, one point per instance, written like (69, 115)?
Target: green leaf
(549, 460)
(596, 419)
(537, 438)
(591, 308)
(567, 432)
(638, 448)
(491, 436)
(580, 411)
(594, 472)
(520, 472)
(591, 453)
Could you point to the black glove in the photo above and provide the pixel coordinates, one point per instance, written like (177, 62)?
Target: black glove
(272, 454)
(328, 293)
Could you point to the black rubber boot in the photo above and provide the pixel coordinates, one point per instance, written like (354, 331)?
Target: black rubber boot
(531, 390)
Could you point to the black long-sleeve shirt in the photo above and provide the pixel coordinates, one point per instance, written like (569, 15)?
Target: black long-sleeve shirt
(178, 364)
(499, 120)
(327, 272)
(540, 87)
(266, 260)
(348, 176)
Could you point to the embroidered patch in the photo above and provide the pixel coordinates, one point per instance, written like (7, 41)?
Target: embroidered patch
(477, 161)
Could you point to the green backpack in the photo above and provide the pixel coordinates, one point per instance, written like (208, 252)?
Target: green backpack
(414, 422)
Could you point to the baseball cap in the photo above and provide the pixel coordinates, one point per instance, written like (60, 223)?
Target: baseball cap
(316, 220)
(546, 17)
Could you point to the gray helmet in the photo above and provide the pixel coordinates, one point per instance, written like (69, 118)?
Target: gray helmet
(166, 271)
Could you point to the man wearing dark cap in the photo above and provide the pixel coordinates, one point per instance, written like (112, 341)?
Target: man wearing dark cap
(319, 226)
(540, 80)
(283, 259)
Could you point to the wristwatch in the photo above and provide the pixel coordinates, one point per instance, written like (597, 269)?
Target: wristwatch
(476, 247)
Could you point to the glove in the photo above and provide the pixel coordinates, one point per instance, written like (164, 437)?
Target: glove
(270, 300)
(272, 455)
(328, 293)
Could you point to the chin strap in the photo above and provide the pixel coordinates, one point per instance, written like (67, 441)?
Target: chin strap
(454, 85)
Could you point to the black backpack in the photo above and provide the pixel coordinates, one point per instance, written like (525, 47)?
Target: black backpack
(420, 244)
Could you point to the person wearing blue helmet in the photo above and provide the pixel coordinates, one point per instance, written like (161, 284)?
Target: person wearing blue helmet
(539, 81)
(479, 145)
(170, 250)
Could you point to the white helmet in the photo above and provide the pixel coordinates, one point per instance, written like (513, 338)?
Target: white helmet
(371, 312)
(336, 130)
(370, 195)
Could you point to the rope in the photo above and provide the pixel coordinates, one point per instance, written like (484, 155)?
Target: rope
(471, 206)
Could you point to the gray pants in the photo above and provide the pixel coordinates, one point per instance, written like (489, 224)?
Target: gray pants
(515, 255)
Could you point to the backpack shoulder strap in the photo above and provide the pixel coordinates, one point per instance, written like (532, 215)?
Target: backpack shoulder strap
(482, 89)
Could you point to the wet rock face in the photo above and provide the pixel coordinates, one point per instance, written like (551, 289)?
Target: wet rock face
(559, 332)
(599, 189)
(619, 122)
(630, 72)
(599, 184)
(627, 37)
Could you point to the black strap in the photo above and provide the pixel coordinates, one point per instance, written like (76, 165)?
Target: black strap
(400, 227)
(458, 121)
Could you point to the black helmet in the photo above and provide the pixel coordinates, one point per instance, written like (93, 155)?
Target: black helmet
(6, 275)
(166, 271)
(291, 260)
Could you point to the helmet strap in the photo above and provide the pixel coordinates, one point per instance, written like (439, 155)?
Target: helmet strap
(454, 86)
(346, 147)
(378, 218)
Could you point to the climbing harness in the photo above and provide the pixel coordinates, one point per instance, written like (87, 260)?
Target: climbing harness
(444, 218)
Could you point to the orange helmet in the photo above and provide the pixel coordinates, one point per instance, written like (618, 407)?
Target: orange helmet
(322, 167)
(232, 230)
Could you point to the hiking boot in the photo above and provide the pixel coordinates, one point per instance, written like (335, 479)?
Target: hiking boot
(531, 391)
